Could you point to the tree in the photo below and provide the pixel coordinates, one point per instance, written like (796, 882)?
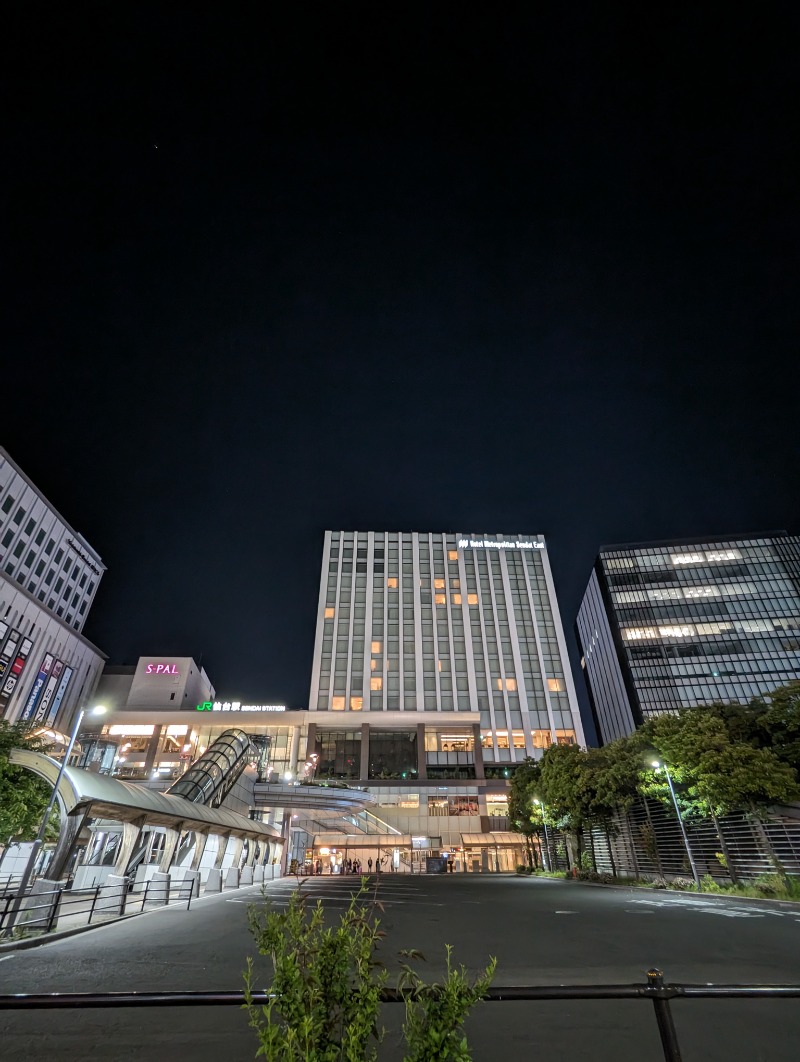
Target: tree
(23, 796)
(566, 790)
(521, 817)
(613, 782)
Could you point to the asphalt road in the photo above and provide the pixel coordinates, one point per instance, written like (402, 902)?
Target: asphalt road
(542, 932)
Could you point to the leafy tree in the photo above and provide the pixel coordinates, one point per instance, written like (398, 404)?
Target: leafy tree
(779, 723)
(23, 796)
(523, 815)
(567, 791)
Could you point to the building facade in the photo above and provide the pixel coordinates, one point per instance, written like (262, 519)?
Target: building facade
(49, 575)
(439, 664)
(671, 625)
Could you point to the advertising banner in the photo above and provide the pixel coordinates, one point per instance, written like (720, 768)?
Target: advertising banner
(9, 650)
(36, 688)
(49, 690)
(59, 697)
(15, 671)
(3, 633)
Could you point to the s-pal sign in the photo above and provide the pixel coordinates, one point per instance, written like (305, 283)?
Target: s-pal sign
(161, 669)
(487, 543)
(235, 706)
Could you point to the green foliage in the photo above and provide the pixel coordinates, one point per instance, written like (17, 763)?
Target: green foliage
(326, 983)
(435, 1013)
(23, 796)
(326, 989)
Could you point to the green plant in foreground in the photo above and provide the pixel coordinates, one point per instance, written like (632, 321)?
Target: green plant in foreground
(435, 1013)
(326, 989)
(326, 983)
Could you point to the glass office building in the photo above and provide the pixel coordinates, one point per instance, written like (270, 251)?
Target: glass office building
(670, 625)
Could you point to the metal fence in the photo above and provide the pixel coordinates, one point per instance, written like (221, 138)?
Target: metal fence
(654, 990)
(647, 842)
(50, 910)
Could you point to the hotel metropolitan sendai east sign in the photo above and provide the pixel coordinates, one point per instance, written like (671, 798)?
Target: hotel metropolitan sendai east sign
(236, 706)
(488, 543)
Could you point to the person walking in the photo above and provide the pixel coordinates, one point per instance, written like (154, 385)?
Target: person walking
(369, 864)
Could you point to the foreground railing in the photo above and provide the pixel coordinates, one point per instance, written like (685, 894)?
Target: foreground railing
(653, 990)
(46, 911)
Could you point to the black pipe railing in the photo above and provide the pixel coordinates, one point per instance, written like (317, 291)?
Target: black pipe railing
(654, 990)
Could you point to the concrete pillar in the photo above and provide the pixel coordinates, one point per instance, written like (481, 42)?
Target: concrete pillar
(478, 753)
(158, 890)
(111, 898)
(67, 838)
(214, 880)
(246, 877)
(152, 750)
(236, 850)
(222, 844)
(252, 851)
(171, 839)
(131, 832)
(258, 874)
(200, 842)
(363, 772)
(422, 766)
(294, 750)
(43, 895)
(232, 878)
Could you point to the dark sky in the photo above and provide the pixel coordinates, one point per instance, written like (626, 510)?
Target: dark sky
(392, 270)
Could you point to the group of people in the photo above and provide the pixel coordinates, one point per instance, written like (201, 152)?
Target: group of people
(351, 866)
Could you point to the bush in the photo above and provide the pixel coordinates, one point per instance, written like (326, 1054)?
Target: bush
(326, 987)
(682, 884)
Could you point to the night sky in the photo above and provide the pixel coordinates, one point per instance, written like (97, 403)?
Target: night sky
(379, 268)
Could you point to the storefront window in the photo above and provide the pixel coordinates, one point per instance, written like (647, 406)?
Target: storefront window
(393, 754)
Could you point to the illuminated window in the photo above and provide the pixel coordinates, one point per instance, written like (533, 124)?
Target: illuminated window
(356, 704)
(376, 648)
(455, 584)
(456, 599)
(438, 584)
(633, 634)
(555, 685)
(687, 558)
(518, 739)
(565, 737)
(376, 683)
(391, 582)
(506, 684)
(373, 665)
(684, 631)
(337, 703)
(452, 554)
(502, 739)
(486, 739)
(440, 664)
(542, 739)
(723, 555)
(472, 599)
(329, 613)
(439, 599)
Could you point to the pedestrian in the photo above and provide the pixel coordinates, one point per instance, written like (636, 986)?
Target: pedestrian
(319, 866)
(369, 864)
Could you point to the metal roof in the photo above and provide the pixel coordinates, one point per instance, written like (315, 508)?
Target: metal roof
(112, 798)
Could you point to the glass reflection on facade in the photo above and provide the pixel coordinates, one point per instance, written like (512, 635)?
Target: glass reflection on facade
(339, 754)
(674, 625)
(393, 754)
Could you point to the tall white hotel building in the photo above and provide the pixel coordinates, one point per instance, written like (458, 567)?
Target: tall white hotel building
(439, 663)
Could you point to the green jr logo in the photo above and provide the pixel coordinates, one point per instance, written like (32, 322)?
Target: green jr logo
(206, 706)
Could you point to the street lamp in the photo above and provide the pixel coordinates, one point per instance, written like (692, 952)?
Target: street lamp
(37, 844)
(546, 853)
(662, 766)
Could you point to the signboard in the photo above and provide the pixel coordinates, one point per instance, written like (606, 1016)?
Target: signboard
(9, 651)
(38, 685)
(488, 543)
(15, 671)
(161, 669)
(59, 697)
(49, 689)
(236, 706)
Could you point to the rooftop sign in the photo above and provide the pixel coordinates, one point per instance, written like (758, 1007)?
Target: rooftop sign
(487, 543)
(236, 706)
(161, 669)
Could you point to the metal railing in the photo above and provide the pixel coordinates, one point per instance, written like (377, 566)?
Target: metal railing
(51, 910)
(653, 990)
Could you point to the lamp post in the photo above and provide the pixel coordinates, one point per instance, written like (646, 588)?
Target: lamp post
(37, 844)
(548, 861)
(662, 766)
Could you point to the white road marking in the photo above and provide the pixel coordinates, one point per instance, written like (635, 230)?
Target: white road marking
(566, 912)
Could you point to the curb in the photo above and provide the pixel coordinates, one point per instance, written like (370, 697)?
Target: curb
(52, 938)
(707, 896)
